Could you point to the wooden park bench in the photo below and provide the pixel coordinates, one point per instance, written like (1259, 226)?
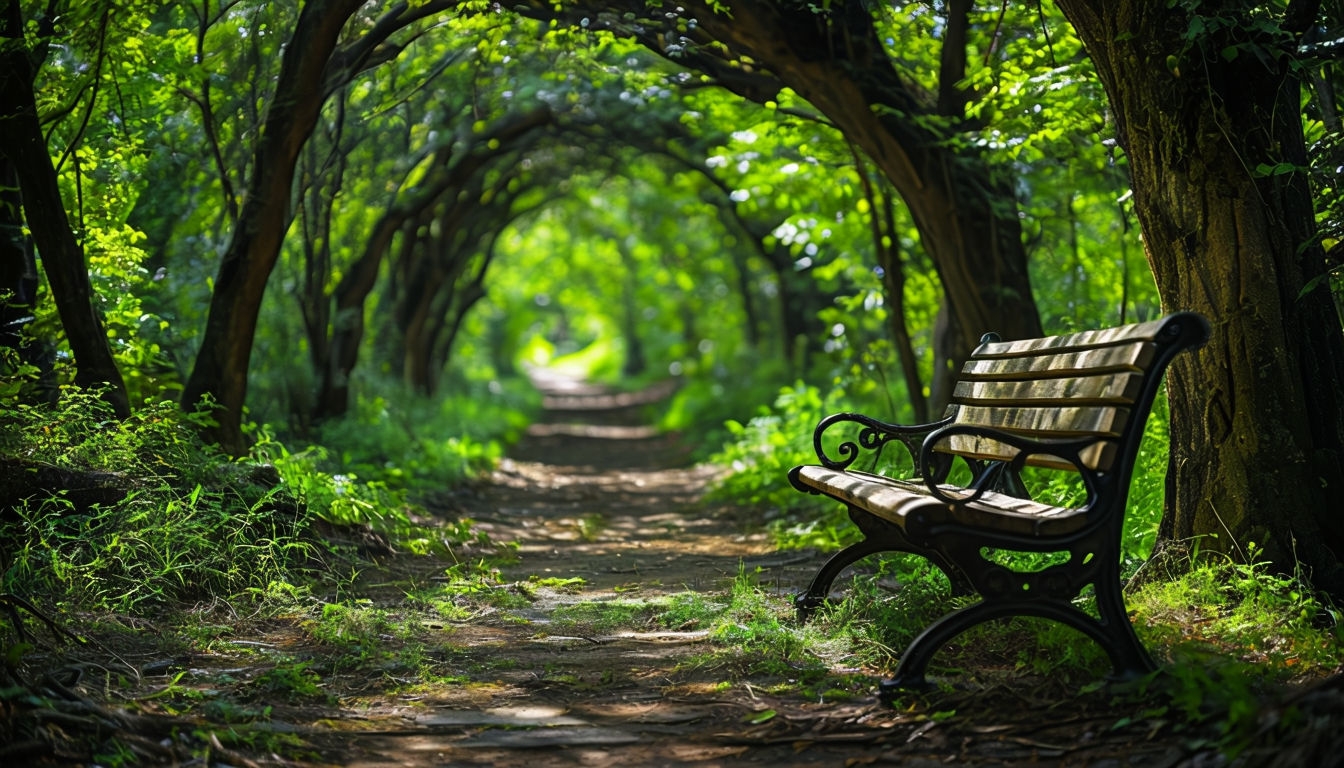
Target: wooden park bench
(1076, 402)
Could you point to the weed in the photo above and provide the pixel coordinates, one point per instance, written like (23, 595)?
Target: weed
(290, 680)
(570, 585)
(590, 527)
(601, 617)
(760, 452)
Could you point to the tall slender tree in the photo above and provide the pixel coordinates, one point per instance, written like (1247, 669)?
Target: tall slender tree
(24, 146)
(314, 64)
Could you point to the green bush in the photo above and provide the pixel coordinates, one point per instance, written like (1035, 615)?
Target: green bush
(409, 441)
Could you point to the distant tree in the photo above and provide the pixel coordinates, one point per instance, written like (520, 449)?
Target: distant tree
(315, 63)
(18, 269)
(1207, 102)
(832, 55)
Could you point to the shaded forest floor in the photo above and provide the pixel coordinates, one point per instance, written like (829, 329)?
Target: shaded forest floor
(605, 513)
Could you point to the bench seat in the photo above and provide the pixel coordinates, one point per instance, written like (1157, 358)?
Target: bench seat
(893, 500)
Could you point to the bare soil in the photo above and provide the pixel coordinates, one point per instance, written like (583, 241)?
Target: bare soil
(593, 493)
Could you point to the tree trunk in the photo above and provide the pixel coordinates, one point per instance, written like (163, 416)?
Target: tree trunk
(1213, 133)
(22, 142)
(18, 271)
(221, 365)
(635, 362)
(887, 246)
(964, 209)
(451, 171)
(746, 290)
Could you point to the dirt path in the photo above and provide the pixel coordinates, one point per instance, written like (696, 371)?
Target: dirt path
(593, 494)
(584, 653)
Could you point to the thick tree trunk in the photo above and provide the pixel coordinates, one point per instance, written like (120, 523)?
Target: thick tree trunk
(964, 209)
(22, 142)
(1258, 415)
(226, 347)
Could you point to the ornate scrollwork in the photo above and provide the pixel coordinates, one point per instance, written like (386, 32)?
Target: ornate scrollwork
(872, 437)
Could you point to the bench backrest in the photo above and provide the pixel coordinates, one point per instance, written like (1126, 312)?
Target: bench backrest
(1092, 384)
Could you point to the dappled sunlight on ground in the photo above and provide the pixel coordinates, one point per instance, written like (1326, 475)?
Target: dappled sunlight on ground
(569, 655)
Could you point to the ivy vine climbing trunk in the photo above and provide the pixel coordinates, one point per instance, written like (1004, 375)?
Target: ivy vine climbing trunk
(1208, 112)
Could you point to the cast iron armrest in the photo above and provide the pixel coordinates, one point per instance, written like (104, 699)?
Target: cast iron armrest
(990, 474)
(873, 436)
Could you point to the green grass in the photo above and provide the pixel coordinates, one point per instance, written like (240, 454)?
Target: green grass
(193, 524)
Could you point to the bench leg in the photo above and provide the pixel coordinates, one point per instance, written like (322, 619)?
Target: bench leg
(1114, 634)
(1128, 656)
(819, 590)
(808, 602)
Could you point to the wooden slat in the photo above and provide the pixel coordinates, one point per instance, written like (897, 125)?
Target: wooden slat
(1117, 389)
(1071, 421)
(894, 500)
(1099, 456)
(1085, 340)
(1131, 357)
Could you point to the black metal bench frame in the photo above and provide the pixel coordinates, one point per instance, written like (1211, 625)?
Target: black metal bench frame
(952, 525)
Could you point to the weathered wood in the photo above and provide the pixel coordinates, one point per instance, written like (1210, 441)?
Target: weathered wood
(1109, 389)
(1053, 421)
(1128, 357)
(1073, 341)
(890, 499)
(1099, 456)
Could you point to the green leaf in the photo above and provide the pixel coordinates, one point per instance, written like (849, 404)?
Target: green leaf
(760, 717)
(1278, 169)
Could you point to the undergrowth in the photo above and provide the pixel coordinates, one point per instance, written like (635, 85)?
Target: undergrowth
(152, 516)
(138, 523)
(175, 521)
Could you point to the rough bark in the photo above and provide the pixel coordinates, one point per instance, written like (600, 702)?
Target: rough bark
(1258, 415)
